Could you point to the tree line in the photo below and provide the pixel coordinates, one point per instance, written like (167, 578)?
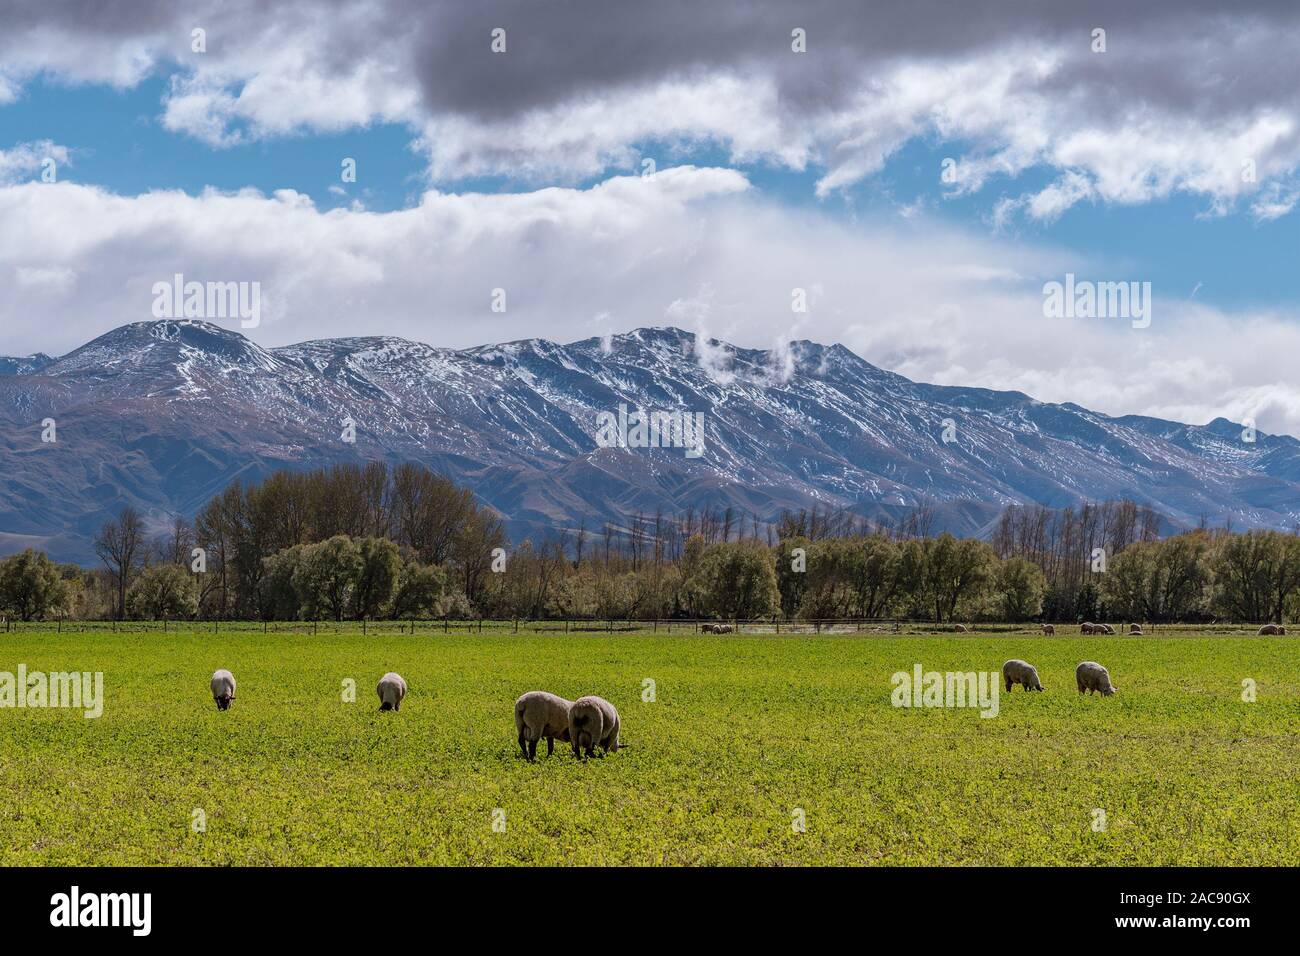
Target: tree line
(358, 542)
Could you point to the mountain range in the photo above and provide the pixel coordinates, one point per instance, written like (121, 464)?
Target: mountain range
(164, 414)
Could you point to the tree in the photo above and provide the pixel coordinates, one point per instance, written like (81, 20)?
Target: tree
(738, 580)
(420, 589)
(119, 545)
(380, 565)
(31, 586)
(327, 577)
(1019, 585)
(163, 591)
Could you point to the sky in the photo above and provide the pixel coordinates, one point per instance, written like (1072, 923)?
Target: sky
(918, 172)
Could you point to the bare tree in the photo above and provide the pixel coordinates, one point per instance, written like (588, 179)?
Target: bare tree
(119, 545)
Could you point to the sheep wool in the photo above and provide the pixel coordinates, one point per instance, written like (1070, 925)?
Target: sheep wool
(593, 722)
(1091, 676)
(539, 714)
(223, 688)
(391, 689)
(1022, 673)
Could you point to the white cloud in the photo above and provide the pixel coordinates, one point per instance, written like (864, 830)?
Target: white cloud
(27, 160)
(691, 247)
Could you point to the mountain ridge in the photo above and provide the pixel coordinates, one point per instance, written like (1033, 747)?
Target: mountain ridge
(162, 414)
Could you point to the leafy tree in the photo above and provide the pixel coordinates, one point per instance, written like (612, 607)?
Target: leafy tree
(163, 591)
(419, 591)
(326, 577)
(1019, 585)
(31, 586)
(380, 565)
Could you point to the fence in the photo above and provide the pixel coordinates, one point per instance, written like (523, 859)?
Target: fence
(876, 626)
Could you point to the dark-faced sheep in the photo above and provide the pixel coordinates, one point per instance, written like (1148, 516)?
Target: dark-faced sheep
(1087, 627)
(391, 689)
(1271, 629)
(1022, 673)
(1091, 676)
(537, 715)
(1049, 630)
(961, 629)
(593, 722)
(1135, 630)
(223, 688)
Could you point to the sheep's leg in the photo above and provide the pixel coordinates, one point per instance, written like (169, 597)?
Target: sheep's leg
(1008, 685)
(532, 750)
(523, 744)
(550, 746)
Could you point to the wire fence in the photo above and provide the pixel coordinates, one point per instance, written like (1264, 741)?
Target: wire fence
(867, 626)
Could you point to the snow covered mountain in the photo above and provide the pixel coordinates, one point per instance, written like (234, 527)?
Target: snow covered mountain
(164, 414)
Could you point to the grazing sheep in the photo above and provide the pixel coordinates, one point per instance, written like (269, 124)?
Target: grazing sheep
(1106, 629)
(1087, 627)
(1271, 629)
(1049, 630)
(537, 715)
(593, 722)
(962, 629)
(722, 628)
(1091, 676)
(1022, 673)
(223, 688)
(391, 689)
(1135, 630)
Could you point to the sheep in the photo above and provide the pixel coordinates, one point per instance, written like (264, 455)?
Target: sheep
(537, 715)
(1091, 676)
(722, 628)
(1022, 673)
(391, 689)
(1271, 629)
(223, 688)
(1135, 630)
(1087, 627)
(962, 629)
(593, 722)
(1105, 629)
(1049, 630)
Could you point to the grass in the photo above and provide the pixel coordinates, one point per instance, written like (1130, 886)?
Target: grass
(744, 731)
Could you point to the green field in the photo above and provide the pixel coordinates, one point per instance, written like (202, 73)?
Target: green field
(744, 730)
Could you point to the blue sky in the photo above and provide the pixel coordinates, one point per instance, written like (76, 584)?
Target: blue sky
(783, 173)
(118, 142)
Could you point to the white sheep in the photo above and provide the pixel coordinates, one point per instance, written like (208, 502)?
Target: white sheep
(1091, 676)
(593, 722)
(391, 689)
(1022, 673)
(537, 715)
(223, 688)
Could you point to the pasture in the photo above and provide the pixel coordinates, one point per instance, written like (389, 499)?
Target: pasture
(743, 733)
